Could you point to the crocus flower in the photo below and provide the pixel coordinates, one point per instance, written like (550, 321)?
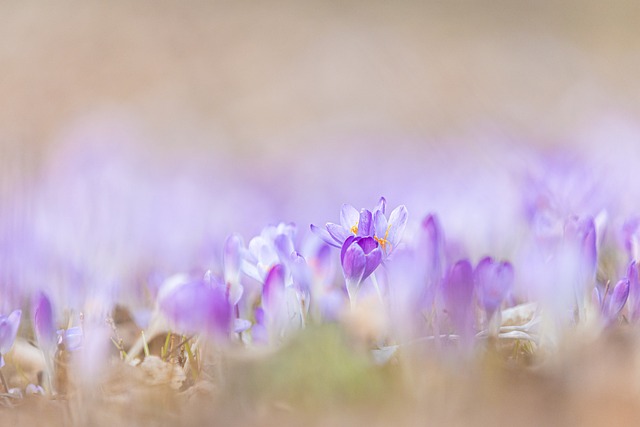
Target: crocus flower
(611, 303)
(274, 246)
(366, 223)
(43, 319)
(272, 255)
(494, 280)
(70, 339)
(457, 292)
(360, 256)
(280, 305)
(8, 331)
(633, 274)
(196, 305)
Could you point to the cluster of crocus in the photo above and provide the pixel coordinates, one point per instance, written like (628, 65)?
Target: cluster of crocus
(428, 288)
(271, 289)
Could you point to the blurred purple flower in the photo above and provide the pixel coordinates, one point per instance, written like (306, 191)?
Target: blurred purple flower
(633, 274)
(631, 238)
(611, 303)
(196, 305)
(8, 331)
(457, 292)
(274, 246)
(282, 309)
(494, 281)
(43, 320)
(70, 339)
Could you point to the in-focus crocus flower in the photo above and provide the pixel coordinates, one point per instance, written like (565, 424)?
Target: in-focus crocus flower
(457, 292)
(196, 305)
(366, 223)
(611, 303)
(8, 331)
(494, 281)
(360, 256)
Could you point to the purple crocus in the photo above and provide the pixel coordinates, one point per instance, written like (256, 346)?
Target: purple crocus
(494, 281)
(8, 332)
(611, 303)
(70, 339)
(281, 306)
(366, 238)
(633, 274)
(366, 223)
(457, 293)
(43, 320)
(196, 305)
(360, 256)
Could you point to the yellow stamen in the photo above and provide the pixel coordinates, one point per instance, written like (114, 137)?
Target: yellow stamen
(354, 229)
(383, 242)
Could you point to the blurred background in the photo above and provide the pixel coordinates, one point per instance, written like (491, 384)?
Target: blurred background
(136, 136)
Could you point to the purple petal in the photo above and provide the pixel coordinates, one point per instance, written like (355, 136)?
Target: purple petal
(457, 292)
(273, 288)
(338, 233)
(345, 246)
(433, 246)
(71, 338)
(8, 330)
(43, 319)
(381, 206)
(365, 224)
(301, 274)
(397, 223)
(284, 246)
(459, 285)
(372, 261)
(231, 258)
(197, 306)
(634, 290)
(618, 298)
(380, 226)
(324, 235)
(349, 216)
(353, 264)
(630, 236)
(493, 281)
(367, 244)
